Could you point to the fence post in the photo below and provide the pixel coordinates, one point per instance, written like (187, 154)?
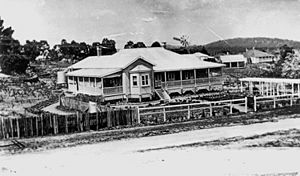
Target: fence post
(66, 124)
(11, 127)
(274, 102)
(230, 107)
(254, 104)
(2, 128)
(164, 111)
(87, 122)
(246, 104)
(18, 128)
(77, 121)
(42, 125)
(54, 124)
(291, 101)
(109, 124)
(138, 115)
(31, 126)
(97, 121)
(37, 126)
(189, 112)
(210, 110)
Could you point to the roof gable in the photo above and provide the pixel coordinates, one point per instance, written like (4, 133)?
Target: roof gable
(140, 68)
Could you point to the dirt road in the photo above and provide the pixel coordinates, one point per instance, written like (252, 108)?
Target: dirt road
(123, 157)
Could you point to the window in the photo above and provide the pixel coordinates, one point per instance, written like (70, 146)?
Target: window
(86, 81)
(234, 64)
(187, 74)
(173, 76)
(241, 64)
(145, 80)
(159, 76)
(80, 80)
(92, 82)
(98, 83)
(202, 73)
(227, 64)
(134, 81)
(215, 72)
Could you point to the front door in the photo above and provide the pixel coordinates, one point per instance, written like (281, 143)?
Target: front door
(135, 83)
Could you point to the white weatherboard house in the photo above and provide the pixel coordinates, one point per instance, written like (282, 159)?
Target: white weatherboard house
(142, 73)
(234, 61)
(257, 56)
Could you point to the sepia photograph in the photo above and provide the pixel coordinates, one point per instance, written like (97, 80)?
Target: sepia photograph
(150, 87)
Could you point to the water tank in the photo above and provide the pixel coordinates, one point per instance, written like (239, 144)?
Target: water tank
(92, 107)
(61, 77)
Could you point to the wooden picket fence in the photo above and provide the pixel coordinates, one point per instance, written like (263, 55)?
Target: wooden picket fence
(177, 113)
(50, 124)
(182, 112)
(276, 101)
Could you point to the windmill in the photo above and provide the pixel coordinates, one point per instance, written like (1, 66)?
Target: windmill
(184, 42)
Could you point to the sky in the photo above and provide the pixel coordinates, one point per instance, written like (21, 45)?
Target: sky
(203, 21)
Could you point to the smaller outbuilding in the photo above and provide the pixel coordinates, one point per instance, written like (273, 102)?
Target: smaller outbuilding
(234, 61)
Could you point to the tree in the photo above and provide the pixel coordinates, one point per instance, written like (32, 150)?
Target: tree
(108, 47)
(129, 44)
(10, 60)
(156, 44)
(291, 66)
(285, 50)
(13, 63)
(32, 49)
(139, 45)
(7, 43)
(63, 42)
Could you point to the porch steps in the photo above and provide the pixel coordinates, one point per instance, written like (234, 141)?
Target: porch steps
(162, 94)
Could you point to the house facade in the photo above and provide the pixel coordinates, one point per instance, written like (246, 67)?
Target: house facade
(256, 56)
(234, 61)
(142, 73)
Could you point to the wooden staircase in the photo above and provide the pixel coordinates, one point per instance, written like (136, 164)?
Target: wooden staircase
(162, 94)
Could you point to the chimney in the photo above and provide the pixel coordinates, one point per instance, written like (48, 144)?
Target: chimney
(98, 48)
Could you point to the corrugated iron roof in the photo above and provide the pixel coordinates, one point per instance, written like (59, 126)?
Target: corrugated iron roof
(93, 72)
(160, 58)
(257, 53)
(233, 58)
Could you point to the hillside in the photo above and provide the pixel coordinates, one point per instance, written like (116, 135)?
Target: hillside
(182, 50)
(238, 45)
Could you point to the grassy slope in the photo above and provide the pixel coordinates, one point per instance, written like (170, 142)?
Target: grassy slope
(238, 45)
